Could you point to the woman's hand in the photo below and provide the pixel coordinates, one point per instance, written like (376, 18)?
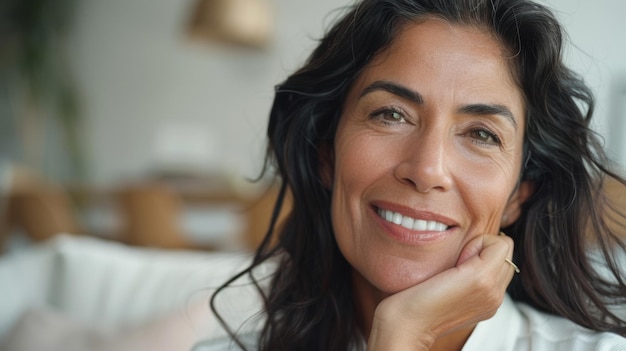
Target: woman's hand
(457, 298)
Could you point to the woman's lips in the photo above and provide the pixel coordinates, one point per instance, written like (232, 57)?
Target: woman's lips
(414, 228)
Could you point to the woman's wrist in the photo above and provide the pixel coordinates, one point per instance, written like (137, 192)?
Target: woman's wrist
(391, 331)
(399, 340)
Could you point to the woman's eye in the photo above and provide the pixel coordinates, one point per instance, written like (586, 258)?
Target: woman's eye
(485, 137)
(389, 115)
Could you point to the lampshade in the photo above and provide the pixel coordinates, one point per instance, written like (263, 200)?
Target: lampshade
(241, 22)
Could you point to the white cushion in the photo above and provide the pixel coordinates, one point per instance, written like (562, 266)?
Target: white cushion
(47, 330)
(25, 278)
(96, 281)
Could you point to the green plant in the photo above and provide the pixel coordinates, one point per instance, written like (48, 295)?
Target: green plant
(34, 66)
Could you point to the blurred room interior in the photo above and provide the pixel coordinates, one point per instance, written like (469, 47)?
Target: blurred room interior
(142, 122)
(122, 103)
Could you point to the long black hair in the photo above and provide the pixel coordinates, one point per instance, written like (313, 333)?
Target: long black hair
(308, 305)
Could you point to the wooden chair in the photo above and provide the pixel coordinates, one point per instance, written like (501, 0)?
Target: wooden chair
(39, 208)
(150, 215)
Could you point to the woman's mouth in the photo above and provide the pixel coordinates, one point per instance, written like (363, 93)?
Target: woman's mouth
(411, 223)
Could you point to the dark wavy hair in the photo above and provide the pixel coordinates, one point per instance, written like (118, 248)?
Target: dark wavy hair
(308, 304)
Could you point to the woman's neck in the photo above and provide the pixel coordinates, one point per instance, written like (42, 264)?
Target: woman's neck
(367, 298)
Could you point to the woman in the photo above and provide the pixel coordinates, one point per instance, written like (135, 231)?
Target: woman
(417, 131)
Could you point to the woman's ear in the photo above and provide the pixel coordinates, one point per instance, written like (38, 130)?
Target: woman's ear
(326, 167)
(513, 209)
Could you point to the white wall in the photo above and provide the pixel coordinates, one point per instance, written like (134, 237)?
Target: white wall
(140, 75)
(596, 30)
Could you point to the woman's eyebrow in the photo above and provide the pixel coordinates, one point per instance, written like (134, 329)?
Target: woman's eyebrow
(395, 89)
(415, 97)
(489, 110)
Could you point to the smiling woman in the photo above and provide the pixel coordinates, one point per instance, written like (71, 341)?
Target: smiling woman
(417, 131)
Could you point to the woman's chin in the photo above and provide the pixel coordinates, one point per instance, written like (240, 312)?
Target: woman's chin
(391, 281)
(391, 285)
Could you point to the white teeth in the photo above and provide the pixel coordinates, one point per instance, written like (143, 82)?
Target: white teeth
(432, 225)
(420, 225)
(388, 216)
(407, 222)
(411, 223)
(397, 218)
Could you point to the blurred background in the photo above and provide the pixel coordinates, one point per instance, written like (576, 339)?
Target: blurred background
(143, 120)
(134, 127)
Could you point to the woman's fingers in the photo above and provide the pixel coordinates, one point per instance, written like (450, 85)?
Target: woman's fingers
(487, 247)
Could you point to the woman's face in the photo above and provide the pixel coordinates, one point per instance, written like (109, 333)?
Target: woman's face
(427, 154)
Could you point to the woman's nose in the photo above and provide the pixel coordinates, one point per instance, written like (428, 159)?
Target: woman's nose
(425, 162)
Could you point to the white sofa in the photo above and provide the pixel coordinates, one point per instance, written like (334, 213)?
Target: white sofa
(79, 293)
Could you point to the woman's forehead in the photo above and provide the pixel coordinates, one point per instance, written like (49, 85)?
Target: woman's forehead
(456, 59)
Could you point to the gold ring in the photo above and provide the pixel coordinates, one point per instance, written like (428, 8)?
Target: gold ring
(515, 267)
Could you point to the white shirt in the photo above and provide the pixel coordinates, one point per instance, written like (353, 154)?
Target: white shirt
(514, 327)
(519, 327)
